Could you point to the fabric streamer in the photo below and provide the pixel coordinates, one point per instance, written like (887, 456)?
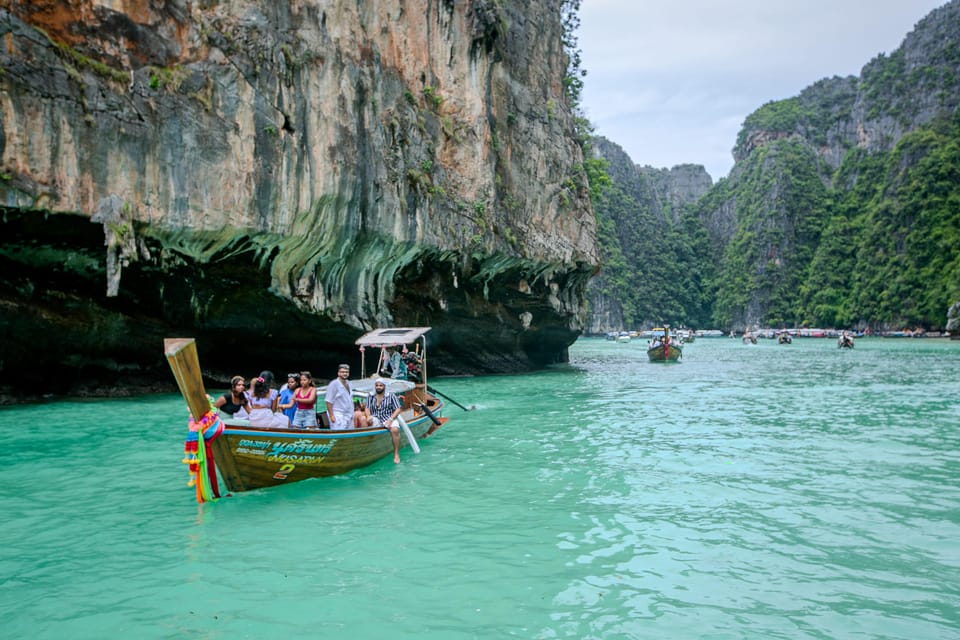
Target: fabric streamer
(198, 455)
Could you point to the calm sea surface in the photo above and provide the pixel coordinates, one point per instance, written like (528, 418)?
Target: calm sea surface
(766, 491)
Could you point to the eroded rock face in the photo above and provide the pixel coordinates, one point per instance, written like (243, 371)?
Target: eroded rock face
(276, 177)
(642, 202)
(953, 319)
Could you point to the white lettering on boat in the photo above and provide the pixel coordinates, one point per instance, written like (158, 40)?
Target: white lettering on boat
(295, 459)
(255, 444)
(303, 451)
(303, 445)
(277, 447)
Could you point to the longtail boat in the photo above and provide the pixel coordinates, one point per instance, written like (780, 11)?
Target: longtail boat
(845, 341)
(663, 347)
(251, 457)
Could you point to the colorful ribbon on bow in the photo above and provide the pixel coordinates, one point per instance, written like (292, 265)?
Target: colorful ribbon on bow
(199, 456)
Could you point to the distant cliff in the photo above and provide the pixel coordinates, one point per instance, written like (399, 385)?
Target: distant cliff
(837, 209)
(646, 277)
(841, 209)
(273, 178)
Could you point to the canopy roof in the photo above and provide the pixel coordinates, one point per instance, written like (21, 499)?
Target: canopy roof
(391, 336)
(366, 385)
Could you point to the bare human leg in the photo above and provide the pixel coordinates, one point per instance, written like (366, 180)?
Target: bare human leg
(395, 436)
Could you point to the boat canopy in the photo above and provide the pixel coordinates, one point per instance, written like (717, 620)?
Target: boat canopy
(365, 385)
(391, 336)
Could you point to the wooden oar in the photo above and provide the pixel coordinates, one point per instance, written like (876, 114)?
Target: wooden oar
(439, 393)
(409, 434)
(430, 415)
(182, 355)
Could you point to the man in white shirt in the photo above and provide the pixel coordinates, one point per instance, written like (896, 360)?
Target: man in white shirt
(339, 400)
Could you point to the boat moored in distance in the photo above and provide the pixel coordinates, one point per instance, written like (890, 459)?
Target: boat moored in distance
(663, 347)
(254, 457)
(845, 340)
(709, 333)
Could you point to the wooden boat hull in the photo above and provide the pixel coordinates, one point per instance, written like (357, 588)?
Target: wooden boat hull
(249, 458)
(664, 353)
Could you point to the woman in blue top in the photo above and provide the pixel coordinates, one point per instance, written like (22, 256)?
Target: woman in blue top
(286, 403)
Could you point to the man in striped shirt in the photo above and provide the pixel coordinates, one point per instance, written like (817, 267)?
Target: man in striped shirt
(385, 408)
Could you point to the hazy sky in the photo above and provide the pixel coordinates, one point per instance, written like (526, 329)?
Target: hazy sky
(671, 81)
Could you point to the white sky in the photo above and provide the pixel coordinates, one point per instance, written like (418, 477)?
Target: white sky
(671, 81)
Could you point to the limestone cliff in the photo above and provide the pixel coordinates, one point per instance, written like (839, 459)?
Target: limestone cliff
(643, 279)
(833, 211)
(273, 178)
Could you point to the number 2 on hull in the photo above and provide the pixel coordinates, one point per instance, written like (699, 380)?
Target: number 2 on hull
(284, 471)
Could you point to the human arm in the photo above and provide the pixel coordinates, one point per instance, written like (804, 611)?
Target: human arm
(397, 409)
(330, 396)
(275, 405)
(219, 402)
(396, 365)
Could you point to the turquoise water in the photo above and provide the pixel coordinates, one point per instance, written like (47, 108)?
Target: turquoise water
(767, 491)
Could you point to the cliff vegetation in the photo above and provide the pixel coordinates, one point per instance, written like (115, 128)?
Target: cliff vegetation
(275, 178)
(841, 209)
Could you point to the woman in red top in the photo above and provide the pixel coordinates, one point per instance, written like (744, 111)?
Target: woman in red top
(306, 399)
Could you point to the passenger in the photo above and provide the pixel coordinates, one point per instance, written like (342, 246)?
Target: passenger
(361, 415)
(286, 403)
(234, 404)
(386, 408)
(306, 397)
(339, 400)
(394, 366)
(263, 406)
(412, 362)
(267, 379)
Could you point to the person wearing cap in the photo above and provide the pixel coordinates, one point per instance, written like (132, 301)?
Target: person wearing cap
(385, 408)
(339, 400)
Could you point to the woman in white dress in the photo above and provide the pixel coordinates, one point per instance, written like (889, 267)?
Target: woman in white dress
(263, 406)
